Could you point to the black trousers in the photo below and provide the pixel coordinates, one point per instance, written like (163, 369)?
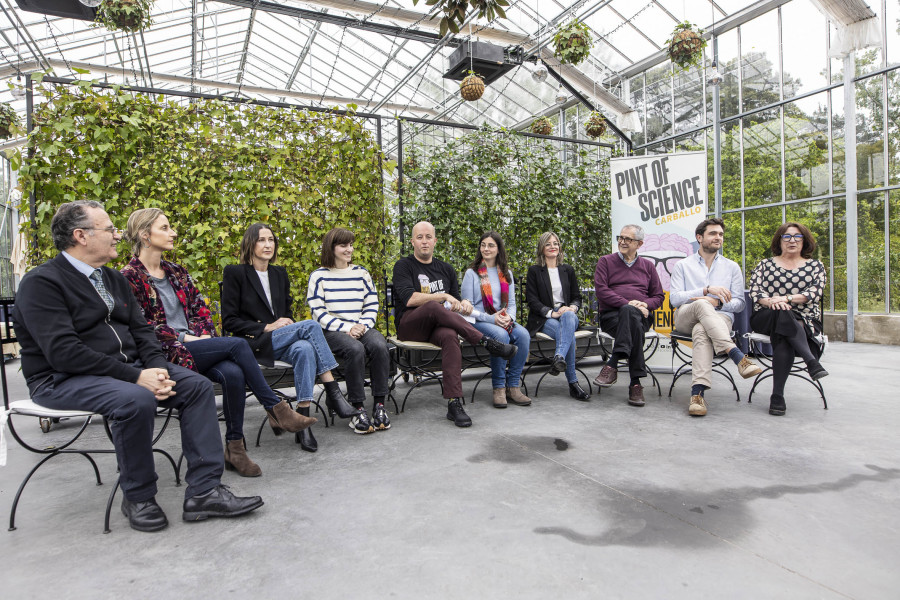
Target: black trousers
(354, 351)
(628, 326)
(131, 410)
(790, 337)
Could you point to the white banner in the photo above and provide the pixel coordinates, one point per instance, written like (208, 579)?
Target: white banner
(666, 194)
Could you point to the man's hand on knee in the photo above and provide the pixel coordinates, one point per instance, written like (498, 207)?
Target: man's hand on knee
(641, 306)
(158, 382)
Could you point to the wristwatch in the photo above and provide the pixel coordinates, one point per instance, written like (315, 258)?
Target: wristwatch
(789, 298)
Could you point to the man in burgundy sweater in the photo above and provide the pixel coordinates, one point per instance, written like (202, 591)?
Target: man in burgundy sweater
(628, 291)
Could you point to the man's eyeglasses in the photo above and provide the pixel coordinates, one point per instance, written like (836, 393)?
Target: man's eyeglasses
(788, 237)
(111, 229)
(627, 240)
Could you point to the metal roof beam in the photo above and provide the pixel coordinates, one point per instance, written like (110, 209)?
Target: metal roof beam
(246, 45)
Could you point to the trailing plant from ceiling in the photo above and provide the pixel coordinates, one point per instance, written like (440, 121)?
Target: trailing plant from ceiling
(595, 126)
(124, 15)
(214, 167)
(10, 124)
(516, 185)
(472, 87)
(572, 43)
(542, 126)
(456, 11)
(685, 46)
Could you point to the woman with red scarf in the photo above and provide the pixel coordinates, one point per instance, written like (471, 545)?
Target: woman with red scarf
(488, 284)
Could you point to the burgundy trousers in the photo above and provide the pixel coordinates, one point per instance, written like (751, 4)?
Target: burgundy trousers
(436, 325)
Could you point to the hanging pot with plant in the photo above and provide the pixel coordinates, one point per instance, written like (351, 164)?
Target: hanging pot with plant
(9, 122)
(595, 126)
(686, 45)
(542, 126)
(472, 87)
(572, 43)
(456, 11)
(124, 15)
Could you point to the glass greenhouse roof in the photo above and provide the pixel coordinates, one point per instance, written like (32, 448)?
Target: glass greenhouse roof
(335, 52)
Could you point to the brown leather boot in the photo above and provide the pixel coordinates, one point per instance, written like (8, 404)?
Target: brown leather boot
(515, 395)
(236, 459)
(282, 419)
(499, 397)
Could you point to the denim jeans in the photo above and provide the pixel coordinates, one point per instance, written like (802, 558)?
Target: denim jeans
(229, 361)
(500, 376)
(303, 345)
(563, 331)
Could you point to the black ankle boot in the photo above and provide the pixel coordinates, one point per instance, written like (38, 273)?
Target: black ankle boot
(577, 392)
(777, 405)
(335, 401)
(305, 437)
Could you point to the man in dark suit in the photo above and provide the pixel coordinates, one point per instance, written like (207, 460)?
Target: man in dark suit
(87, 346)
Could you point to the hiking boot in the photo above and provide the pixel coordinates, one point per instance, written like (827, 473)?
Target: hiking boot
(636, 395)
(457, 414)
(747, 368)
(698, 406)
(608, 376)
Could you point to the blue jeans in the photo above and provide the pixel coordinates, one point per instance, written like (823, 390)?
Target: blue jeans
(303, 345)
(500, 376)
(563, 331)
(229, 361)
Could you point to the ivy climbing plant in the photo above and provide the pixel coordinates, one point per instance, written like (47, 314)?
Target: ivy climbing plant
(516, 185)
(214, 167)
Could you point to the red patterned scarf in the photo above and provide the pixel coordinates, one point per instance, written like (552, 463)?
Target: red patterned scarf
(487, 297)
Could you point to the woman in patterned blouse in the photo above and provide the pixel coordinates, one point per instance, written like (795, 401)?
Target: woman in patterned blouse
(175, 309)
(786, 290)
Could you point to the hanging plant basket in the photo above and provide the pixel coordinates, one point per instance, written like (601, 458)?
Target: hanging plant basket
(472, 87)
(595, 126)
(124, 15)
(686, 46)
(572, 43)
(9, 122)
(542, 126)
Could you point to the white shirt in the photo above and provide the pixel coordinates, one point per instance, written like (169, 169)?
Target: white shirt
(556, 285)
(264, 280)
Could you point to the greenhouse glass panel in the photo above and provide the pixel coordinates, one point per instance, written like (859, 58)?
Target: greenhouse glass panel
(730, 88)
(870, 133)
(838, 157)
(893, 133)
(894, 241)
(658, 96)
(759, 227)
(815, 216)
(806, 147)
(804, 51)
(689, 100)
(761, 135)
(870, 237)
(760, 73)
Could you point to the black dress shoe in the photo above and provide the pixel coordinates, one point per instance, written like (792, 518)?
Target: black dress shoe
(337, 403)
(144, 516)
(577, 392)
(558, 365)
(219, 502)
(305, 437)
(777, 407)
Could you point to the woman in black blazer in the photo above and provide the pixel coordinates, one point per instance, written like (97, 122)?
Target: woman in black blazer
(256, 304)
(554, 299)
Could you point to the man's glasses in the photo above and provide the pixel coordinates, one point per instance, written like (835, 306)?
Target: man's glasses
(788, 237)
(111, 229)
(627, 240)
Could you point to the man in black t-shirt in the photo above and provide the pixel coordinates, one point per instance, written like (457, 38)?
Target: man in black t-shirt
(422, 286)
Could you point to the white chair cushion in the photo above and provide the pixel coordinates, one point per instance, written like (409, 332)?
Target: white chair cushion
(413, 345)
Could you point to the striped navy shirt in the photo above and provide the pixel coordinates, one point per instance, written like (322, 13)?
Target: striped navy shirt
(340, 298)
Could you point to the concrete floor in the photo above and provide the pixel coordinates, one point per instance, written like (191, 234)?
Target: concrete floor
(558, 500)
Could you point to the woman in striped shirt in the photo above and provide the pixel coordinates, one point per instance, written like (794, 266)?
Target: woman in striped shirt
(344, 301)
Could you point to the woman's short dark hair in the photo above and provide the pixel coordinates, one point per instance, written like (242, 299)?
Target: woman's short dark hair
(336, 237)
(502, 263)
(251, 236)
(809, 242)
(69, 217)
